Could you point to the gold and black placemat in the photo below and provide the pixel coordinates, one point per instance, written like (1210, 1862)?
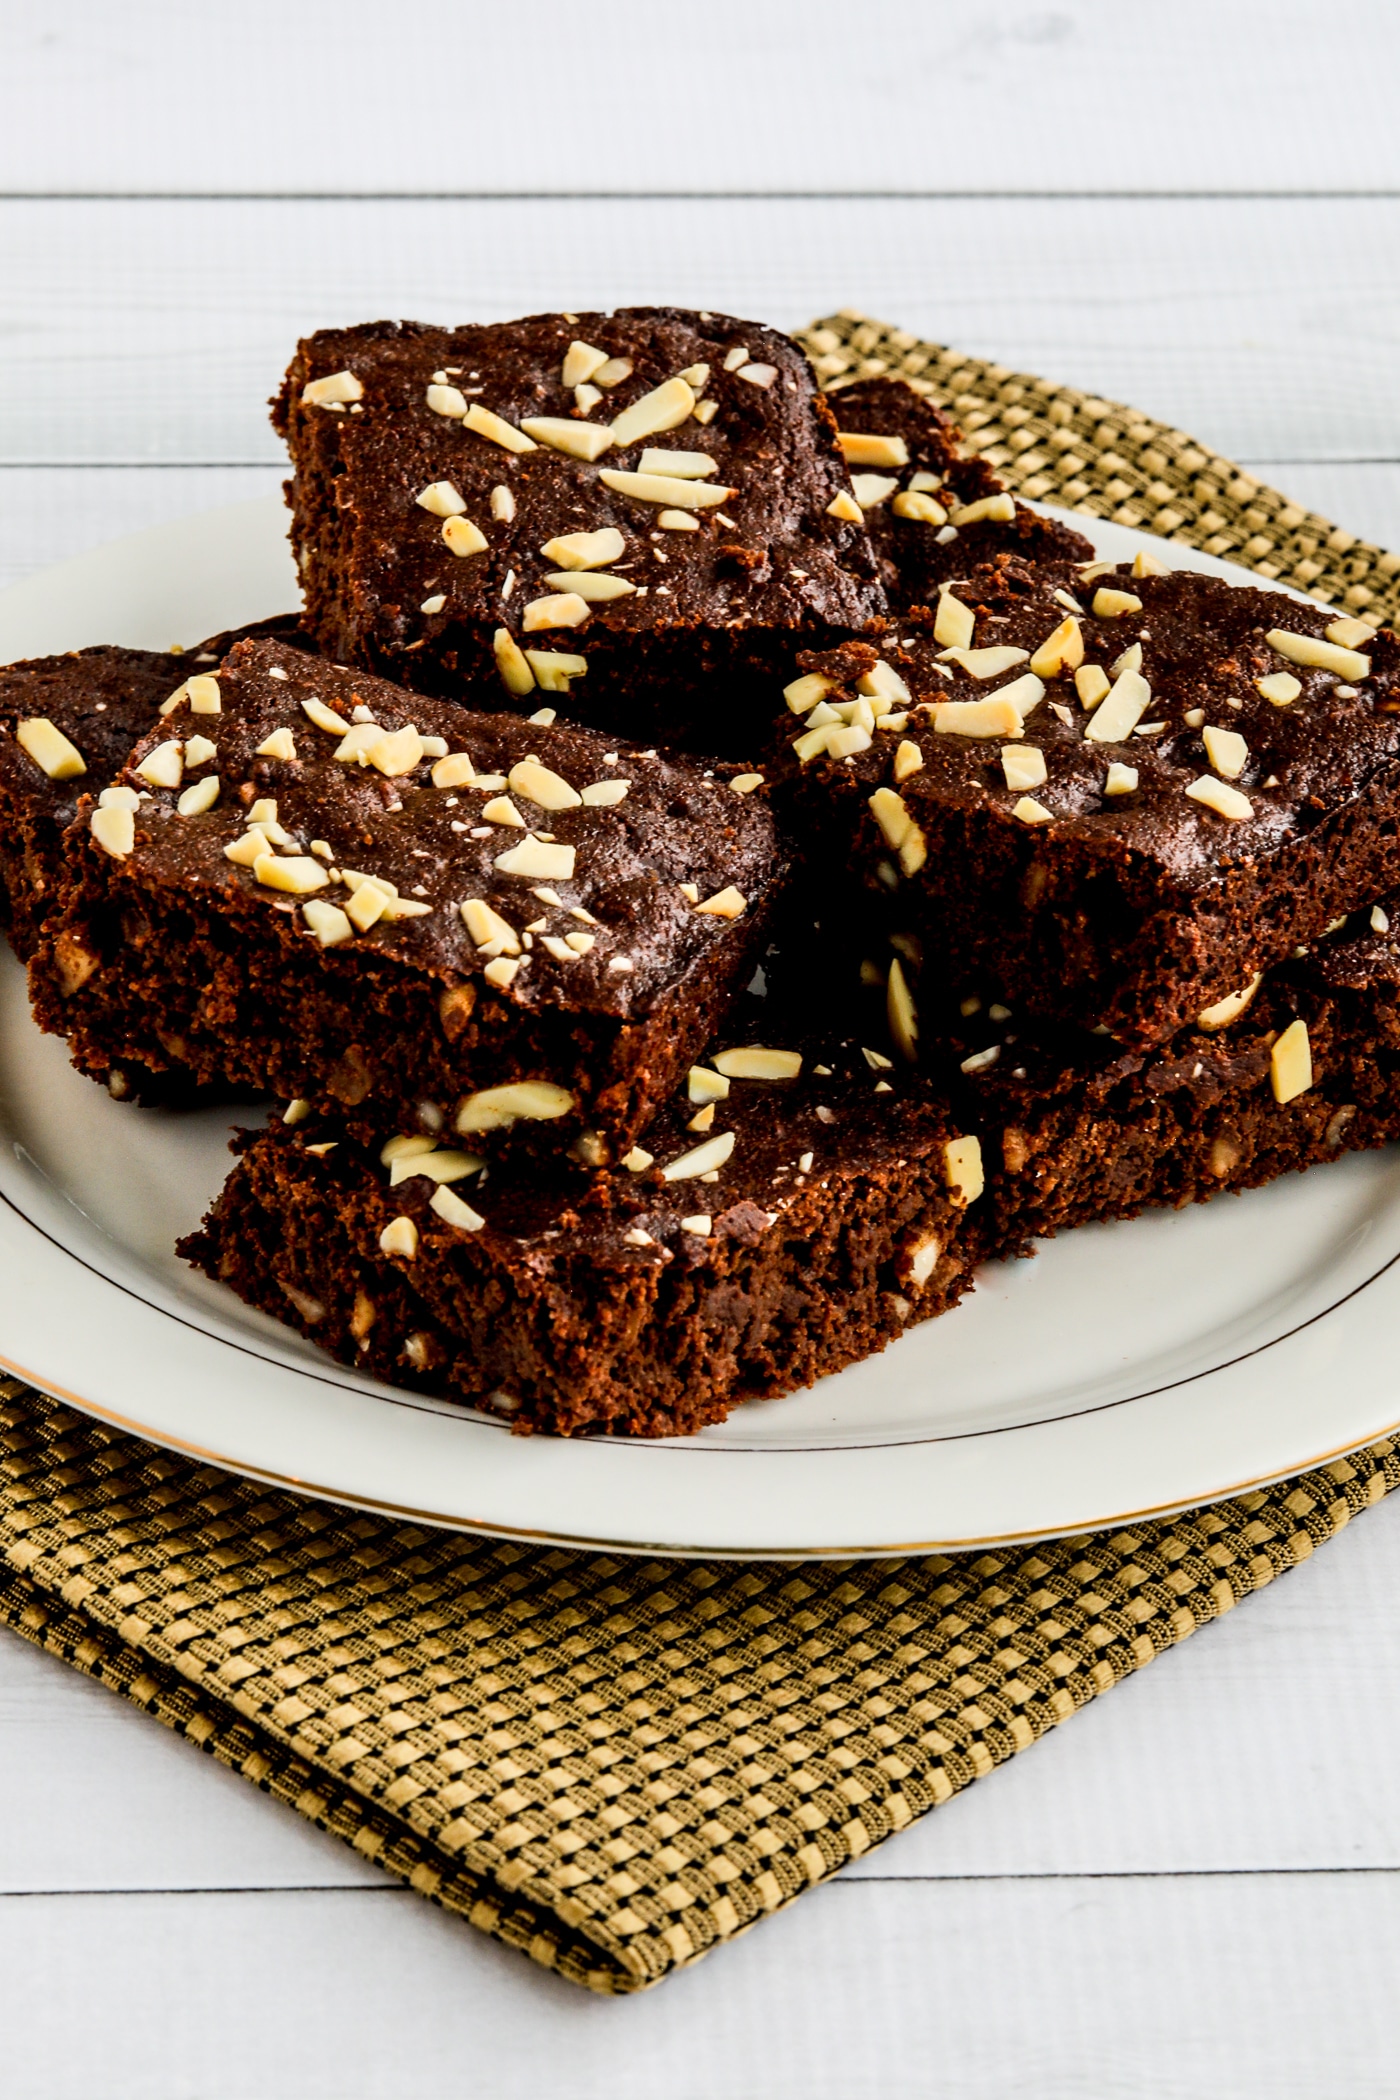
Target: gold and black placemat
(617, 1764)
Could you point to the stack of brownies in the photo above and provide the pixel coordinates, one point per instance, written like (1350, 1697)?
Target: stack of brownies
(707, 871)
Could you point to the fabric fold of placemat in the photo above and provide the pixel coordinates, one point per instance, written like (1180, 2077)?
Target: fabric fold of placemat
(618, 1764)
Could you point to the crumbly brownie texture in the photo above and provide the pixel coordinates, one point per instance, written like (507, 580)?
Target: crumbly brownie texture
(400, 945)
(671, 625)
(1119, 862)
(644, 1305)
(100, 701)
(967, 517)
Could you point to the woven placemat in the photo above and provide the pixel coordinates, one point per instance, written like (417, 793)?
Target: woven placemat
(616, 1765)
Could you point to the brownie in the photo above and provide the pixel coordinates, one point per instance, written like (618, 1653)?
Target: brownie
(967, 516)
(446, 540)
(100, 701)
(833, 1209)
(406, 910)
(1120, 862)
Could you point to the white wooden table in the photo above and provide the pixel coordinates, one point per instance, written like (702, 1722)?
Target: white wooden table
(1195, 1887)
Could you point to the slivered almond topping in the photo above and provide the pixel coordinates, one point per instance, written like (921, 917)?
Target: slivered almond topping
(677, 521)
(1119, 712)
(705, 1085)
(436, 1166)
(908, 759)
(327, 921)
(954, 623)
(114, 828)
(453, 1211)
(568, 434)
(592, 585)
(870, 490)
(1024, 694)
(1230, 1007)
(605, 794)
(280, 744)
(739, 355)
(199, 751)
(892, 816)
(1060, 652)
(486, 927)
(296, 873)
(1227, 751)
(494, 427)
(745, 783)
(988, 663)
(1023, 766)
(461, 538)
(538, 861)
(1112, 605)
(397, 753)
(844, 506)
(446, 400)
(704, 1120)
(757, 1062)
(399, 1237)
(553, 669)
(436, 603)
(758, 375)
(1280, 687)
(323, 717)
(1032, 812)
(50, 749)
(725, 904)
(559, 949)
(902, 1014)
(334, 387)
(1092, 684)
(688, 466)
(704, 1159)
(264, 811)
(918, 508)
(1318, 656)
(705, 411)
(253, 844)
(992, 717)
(516, 675)
(636, 1162)
(805, 692)
(502, 504)
(1145, 564)
(1000, 509)
(500, 971)
(581, 943)
(550, 790)
(119, 798)
(162, 767)
(565, 609)
(521, 1101)
(581, 361)
(1226, 801)
(501, 810)
(1130, 660)
(1121, 780)
(1351, 634)
(667, 489)
(662, 409)
(453, 771)
(442, 499)
(585, 550)
(860, 449)
(689, 891)
(366, 906)
(613, 372)
(202, 796)
(963, 1169)
(1290, 1063)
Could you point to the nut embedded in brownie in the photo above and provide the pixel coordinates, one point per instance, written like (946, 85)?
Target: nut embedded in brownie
(1117, 796)
(640, 513)
(933, 510)
(313, 883)
(792, 1212)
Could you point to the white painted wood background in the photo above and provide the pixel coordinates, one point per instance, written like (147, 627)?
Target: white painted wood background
(1194, 1888)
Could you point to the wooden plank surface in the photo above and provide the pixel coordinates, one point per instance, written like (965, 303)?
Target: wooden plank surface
(971, 95)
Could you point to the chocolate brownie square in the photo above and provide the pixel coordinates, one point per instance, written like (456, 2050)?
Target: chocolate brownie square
(315, 884)
(639, 512)
(792, 1212)
(1116, 796)
(933, 509)
(67, 726)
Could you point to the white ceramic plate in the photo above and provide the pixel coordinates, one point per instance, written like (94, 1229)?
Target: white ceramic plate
(1128, 1369)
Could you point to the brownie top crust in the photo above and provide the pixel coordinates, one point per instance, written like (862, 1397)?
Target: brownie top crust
(100, 700)
(572, 872)
(933, 509)
(1200, 681)
(496, 420)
